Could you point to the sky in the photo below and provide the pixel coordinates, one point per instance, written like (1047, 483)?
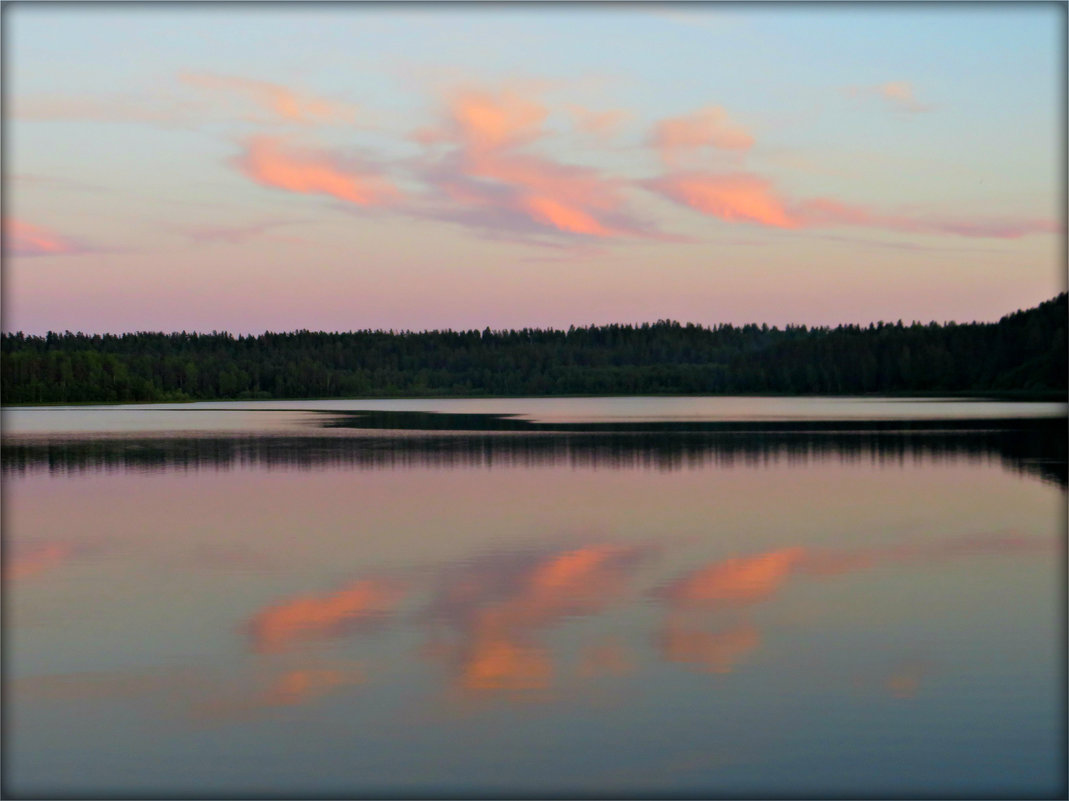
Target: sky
(338, 167)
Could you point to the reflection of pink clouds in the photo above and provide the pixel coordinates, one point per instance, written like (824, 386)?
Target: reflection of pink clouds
(307, 617)
(495, 663)
(26, 562)
(606, 658)
(233, 557)
(305, 684)
(833, 563)
(726, 584)
(905, 680)
(711, 127)
(201, 694)
(717, 652)
(756, 578)
(293, 687)
(269, 163)
(286, 104)
(983, 544)
(828, 562)
(736, 580)
(495, 609)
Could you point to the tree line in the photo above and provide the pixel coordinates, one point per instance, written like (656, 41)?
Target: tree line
(1024, 352)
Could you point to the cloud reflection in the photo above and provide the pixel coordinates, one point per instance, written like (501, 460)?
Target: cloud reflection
(608, 657)
(282, 625)
(288, 688)
(21, 562)
(712, 651)
(492, 610)
(737, 580)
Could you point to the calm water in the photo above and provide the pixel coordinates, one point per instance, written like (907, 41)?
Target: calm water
(711, 597)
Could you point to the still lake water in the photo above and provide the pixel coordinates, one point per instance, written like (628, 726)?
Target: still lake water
(617, 597)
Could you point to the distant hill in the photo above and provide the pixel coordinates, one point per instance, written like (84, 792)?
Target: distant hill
(1023, 354)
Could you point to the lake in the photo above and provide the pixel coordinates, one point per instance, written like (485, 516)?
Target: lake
(567, 597)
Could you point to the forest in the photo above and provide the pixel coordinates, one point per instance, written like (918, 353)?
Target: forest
(1023, 354)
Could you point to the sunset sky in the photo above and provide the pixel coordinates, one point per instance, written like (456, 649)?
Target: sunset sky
(340, 167)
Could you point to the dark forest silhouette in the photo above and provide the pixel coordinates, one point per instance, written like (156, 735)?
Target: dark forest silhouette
(1024, 352)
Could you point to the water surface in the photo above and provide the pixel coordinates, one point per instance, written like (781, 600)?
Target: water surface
(646, 597)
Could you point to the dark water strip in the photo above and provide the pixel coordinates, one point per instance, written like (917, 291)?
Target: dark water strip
(1033, 447)
(464, 421)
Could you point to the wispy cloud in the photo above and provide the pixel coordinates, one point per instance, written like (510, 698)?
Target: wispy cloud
(24, 239)
(749, 198)
(54, 182)
(234, 234)
(216, 98)
(896, 95)
(819, 212)
(734, 197)
(270, 162)
(487, 180)
(709, 128)
(165, 112)
(280, 103)
(600, 124)
(682, 15)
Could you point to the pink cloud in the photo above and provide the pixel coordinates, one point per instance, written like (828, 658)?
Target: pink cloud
(269, 162)
(487, 180)
(736, 197)
(898, 96)
(820, 212)
(748, 198)
(107, 108)
(708, 128)
(601, 124)
(23, 239)
(52, 182)
(285, 104)
(490, 122)
(235, 234)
